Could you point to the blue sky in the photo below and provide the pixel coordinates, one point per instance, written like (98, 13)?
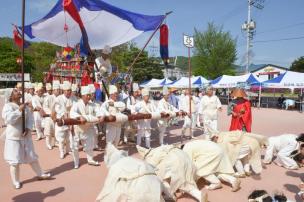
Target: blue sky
(279, 19)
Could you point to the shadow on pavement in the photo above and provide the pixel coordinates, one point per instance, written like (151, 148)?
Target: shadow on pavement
(294, 189)
(66, 167)
(295, 174)
(37, 196)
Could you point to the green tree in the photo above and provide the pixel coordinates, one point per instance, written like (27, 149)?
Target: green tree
(43, 55)
(214, 52)
(298, 65)
(145, 68)
(8, 58)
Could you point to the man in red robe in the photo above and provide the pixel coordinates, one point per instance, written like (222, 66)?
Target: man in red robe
(241, 112)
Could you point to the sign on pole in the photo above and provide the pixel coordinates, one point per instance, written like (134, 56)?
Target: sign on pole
(189, 41)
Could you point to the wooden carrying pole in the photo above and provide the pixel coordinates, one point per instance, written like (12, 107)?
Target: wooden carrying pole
(107, 119)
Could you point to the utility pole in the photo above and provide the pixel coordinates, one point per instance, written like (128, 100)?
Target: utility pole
(249, 26)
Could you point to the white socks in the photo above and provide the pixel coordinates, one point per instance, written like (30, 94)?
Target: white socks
(36, 168)
(15, 173)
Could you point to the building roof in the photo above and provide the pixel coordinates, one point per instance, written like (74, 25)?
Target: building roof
(253, 68)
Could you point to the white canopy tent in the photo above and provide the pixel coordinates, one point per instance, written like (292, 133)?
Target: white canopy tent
(196, 81)
(289, 80)
(155, 83)
(227, 81)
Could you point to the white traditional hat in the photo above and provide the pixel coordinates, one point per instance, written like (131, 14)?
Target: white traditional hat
(31, 85)
(74, 87)
(107, 50)
(7, 94)
(92, 88)
(26, 84)
(38, 86)
(85, 90)
(56, 84)
(165, 90)
(66, 85)
(135, 87)
(209, 88)
(145, 92)
(112, 89)
(48, 86)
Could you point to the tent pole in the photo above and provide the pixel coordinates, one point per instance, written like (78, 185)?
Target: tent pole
(260, 92)
(228, 96)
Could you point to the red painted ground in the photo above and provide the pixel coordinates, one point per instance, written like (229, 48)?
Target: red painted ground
(84, 184)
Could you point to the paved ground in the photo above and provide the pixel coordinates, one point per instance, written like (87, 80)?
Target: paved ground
(84, 184)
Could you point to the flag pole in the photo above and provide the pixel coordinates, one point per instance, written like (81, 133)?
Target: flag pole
(190, 92)
(147, 42)
(22, 64)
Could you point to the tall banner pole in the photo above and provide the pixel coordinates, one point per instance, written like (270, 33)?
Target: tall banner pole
(189, 43)
(129, 71)
(22, 64)
(190, 91)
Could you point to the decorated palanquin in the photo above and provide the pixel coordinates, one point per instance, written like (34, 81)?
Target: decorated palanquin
(69, 66)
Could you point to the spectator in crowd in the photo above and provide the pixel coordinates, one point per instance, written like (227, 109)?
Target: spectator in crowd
(281, 101)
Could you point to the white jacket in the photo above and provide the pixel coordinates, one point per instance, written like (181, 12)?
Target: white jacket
(48, 104)
(37, 101)
(62, 108)
(108, 110)
(13, 119)
(87, 111)
(166, 107)
(209, 106)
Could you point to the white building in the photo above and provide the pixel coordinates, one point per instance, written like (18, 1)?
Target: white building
(268, 71)
(176, 73)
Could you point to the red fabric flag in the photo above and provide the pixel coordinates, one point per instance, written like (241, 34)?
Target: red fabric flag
(70, 7)
(17, 38)
(163, 40)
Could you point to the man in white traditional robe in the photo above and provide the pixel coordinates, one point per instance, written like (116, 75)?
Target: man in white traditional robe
(130, 179)
(131, 126)
(97, 126)
(62, 108)
(144, 126)
(113, 107)
(165, 107)
(190, 118)
(103, 62)
(212, 163)
(209, 107)
(37, 102)
(19, 148)
(174, 168)
(74, 95)
(85, 111)
(283, 146)
(48, 108)
(29, 93)
(243, 149)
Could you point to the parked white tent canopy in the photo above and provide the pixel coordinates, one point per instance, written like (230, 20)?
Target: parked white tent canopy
(226, 81)
(289, 79)
(200, 81)
(196, 81)
(155, 83)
